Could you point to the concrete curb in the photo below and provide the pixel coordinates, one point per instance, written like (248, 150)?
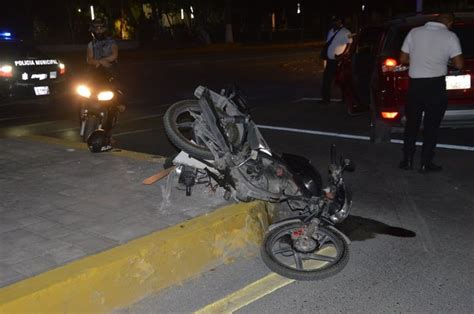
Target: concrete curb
(125, 274)
(83, 146)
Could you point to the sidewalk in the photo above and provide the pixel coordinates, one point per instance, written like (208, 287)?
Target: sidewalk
(60, 203)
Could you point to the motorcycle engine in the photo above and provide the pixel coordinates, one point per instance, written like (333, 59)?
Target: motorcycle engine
(263, 179)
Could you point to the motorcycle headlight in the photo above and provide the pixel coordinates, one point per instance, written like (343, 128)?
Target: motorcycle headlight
(84, 91)
(106, 95)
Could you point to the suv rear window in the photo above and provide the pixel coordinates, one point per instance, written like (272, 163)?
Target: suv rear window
(368, 41)
(394, 41)
(396, 36)
(466, 37)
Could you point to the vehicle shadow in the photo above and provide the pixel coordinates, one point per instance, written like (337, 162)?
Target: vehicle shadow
(360, 229)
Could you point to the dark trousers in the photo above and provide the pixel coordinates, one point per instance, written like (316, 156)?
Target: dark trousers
(426, 95)
(328, 77)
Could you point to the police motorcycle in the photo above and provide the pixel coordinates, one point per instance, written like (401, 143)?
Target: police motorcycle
(221, 143)
(99, 105)
(100, 98)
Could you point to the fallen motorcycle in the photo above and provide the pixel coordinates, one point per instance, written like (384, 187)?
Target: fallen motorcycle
(219, 141)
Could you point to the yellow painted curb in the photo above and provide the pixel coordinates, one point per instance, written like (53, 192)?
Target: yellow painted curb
(83, 146)
(125, 274)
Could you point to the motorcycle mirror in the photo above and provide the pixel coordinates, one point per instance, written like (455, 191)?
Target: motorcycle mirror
(349, 165)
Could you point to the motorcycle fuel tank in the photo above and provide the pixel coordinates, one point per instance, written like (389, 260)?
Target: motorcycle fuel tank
(305, 175)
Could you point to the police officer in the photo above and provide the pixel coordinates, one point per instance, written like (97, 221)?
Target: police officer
(102, 50)
(337, 44)
(102, 54)
(428, 49)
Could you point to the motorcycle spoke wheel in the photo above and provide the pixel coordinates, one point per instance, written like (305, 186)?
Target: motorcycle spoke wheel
(179, 122)
(281, 254)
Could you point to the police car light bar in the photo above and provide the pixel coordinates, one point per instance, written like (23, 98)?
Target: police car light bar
(6, 35)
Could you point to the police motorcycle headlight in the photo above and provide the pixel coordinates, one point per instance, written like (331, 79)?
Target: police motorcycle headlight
(83, 91)
(105, 95)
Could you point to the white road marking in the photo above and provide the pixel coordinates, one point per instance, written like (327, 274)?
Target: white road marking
(147, 117)
(315, 99)
(132, 132)
(19, 117)
(358, 137)
(61, 130)
(314, 132)
(446, 146)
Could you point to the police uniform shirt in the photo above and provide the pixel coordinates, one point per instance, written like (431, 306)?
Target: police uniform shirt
(338, 44)
(430, 47)
(101, 48)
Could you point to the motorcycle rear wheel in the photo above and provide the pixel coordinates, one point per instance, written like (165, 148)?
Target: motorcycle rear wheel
(280, 254)
(179, 126)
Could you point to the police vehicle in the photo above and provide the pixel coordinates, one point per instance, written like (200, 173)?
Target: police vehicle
(25, 72)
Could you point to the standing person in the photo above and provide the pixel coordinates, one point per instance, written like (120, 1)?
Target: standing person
(428, 49)
(337, 44)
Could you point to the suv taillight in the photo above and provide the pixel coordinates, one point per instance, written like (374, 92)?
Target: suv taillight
(391, 65)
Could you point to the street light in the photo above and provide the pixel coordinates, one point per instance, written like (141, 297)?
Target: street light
(298, 8)
(92, 13)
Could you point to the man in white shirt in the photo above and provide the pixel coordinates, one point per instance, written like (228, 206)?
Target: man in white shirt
(338, 42)
(428, 49)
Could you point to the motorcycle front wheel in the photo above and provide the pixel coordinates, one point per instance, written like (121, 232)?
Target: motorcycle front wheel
(179, 122)
(91, 124)
(325, 253)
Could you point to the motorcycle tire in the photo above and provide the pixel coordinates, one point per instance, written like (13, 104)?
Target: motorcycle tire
(176, 136)
(190, 144)
(92, 123)
(329, 265)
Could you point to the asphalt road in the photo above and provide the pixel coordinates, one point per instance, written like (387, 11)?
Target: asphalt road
(412, 244)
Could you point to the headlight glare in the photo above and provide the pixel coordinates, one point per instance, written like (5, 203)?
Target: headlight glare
(106, 95)
(84, 91)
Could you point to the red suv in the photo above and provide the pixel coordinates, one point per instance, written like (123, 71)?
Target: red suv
(371, 77)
